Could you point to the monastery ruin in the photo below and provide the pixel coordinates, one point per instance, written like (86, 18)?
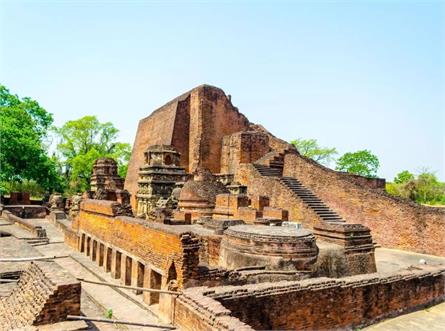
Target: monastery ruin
(219, 225)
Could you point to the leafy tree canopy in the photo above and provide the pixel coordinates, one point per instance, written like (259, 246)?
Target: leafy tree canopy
(23, 127)
(362, 163)
(83, 141)
(403, 177)
(424, 188)
(311, 149)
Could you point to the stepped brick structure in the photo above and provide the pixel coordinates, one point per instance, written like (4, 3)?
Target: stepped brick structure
(246, 231)
(194, 124)
(44, 294)
(105, 175)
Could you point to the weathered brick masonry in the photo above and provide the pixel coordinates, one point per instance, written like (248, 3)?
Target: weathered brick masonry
(394, 222)
(312, 304)
(155, 244)
(194, 124)
(37, 230)
(279, 195)
(44, 294)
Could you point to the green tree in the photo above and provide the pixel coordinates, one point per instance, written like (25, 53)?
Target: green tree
(311, 149)
(362, 163)
(428, 189)
(23, 129)
(425, 188)
(83, 141)
(403, 177)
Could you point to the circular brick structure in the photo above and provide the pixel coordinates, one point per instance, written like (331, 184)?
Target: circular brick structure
(198, 195)
(276, 247)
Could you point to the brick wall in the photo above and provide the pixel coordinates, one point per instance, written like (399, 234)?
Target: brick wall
(199, 313)
(242, 147)
(347, 303)
(181, 131)
(155, 129)
(155, 243)
(27, 224)
(27, 211)
(44, 294)
(212, 116)
(394, 222)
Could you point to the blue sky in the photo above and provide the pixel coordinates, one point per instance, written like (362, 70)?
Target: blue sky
(351, 74)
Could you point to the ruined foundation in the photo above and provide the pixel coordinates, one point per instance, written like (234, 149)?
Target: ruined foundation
(236, 228)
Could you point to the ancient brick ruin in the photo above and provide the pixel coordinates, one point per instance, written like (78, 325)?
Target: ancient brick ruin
(252, 234)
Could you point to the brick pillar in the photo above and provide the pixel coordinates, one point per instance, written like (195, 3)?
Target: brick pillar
(91, 248)
(146, 295)
(123, 268)
(81, 243)
(134, 275)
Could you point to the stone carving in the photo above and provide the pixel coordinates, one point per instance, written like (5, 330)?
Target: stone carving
(75, 205)
(157, 179)
(56, 202)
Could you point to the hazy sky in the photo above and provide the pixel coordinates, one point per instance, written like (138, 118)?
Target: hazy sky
(351, 74)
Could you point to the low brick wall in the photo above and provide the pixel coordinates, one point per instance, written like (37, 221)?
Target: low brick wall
(196, 312)
(312, 304)
(394, 222)
(27, 211)
(44, 294)
(37, 230)
(70, 235)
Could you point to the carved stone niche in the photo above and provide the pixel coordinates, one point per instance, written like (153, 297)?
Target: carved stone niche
(162, 155)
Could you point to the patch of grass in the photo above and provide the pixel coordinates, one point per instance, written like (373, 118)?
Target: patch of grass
(109, 314)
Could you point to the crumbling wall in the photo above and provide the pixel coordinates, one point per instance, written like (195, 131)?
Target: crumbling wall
(312, 304)
(195, 312)
(27, 224)
(242, 147)
(155, 243)
(27, 211)
(394, 222)
(212, 116)
(44, 294)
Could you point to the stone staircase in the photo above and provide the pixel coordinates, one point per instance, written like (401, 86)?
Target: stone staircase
(310, 199)
(306, 195)
(354, 238)
(268, 171)
(277, 162)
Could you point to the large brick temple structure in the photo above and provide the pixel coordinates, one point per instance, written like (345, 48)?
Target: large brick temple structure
(247, 232)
